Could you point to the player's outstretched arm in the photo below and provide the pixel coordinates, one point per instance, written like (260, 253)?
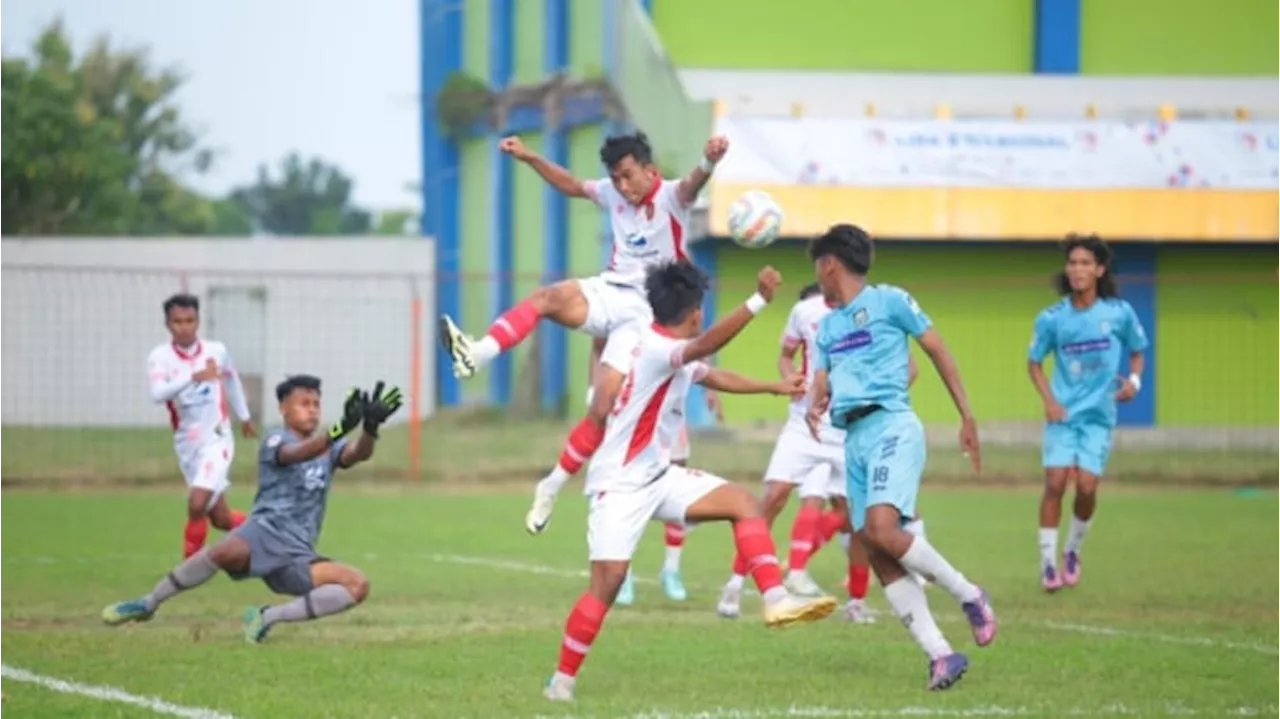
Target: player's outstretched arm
(721, 333)
(551, 173)
(723, 380)
(689, 187)
(312, 447)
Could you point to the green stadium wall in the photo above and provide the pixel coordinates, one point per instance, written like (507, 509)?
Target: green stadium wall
(1179, 37)
(1216, 328)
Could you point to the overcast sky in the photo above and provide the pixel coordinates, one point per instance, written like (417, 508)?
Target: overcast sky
(335, 78)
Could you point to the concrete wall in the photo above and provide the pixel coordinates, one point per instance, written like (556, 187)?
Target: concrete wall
(80, 317)
(1215, 328)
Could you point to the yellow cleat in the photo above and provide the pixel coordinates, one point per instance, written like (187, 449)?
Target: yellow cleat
(794, 610)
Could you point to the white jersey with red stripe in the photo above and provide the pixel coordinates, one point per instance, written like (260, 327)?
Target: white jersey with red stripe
(198, 411)
(800, 334)
(650, 233)
(640, 432)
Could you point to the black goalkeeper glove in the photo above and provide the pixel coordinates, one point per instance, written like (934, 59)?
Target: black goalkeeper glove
(352, 414)
(380, 406)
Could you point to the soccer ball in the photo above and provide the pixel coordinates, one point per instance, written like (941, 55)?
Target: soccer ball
(755, 219)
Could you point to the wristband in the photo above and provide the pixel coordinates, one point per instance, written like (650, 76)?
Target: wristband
(755, 303)
(1136, 381)
(707, 166)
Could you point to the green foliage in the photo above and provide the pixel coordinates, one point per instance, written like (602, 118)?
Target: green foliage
(397, 222)
(306, 198)
(463, 102)
(94, 145)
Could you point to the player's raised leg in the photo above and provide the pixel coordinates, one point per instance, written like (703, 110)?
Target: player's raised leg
(229, 554)
(776, 494)
(563, 303)
(322, 589)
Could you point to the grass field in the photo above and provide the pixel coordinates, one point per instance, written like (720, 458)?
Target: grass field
(1176, 616)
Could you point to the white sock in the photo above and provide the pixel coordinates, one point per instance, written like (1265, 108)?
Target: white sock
(923, 559)
(736, 582)
(845, 538)
(1048, 547)
(912, 607)
(672, 563)
(1075, 535)
(775, 595)
(915, 527)
(554, 482)
(484, 350)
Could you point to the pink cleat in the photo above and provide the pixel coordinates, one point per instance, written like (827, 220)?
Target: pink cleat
(1071, 568)
(982, 618)
(1050, 579)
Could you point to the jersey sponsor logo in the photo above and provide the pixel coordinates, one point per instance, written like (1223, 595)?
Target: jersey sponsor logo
(313, 478)
(1099, 344)
(861, 318)
(851, 341)
(636, 241)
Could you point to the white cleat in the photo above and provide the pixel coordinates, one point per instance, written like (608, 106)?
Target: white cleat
(794, 610)
(559, 688)
(730, 606)
(539, 515)
(801, 584)
(458, 345)
(857, 612)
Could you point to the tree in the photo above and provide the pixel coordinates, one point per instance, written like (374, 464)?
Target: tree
(397, 222)
(95, 146)
(308, 197)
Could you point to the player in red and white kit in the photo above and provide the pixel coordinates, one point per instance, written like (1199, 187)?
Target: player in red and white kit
(649, 219)
(196, 380)
(817, 468)
(631, 481)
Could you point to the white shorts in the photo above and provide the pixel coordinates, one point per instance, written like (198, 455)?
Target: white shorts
(610, 305)
(209, 467)
(680, 448)
(799, 459)
(616, 520)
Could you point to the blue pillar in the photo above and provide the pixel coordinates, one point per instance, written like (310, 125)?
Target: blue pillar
(648, 7)
(704, 256)
(554, 340)
(440, 26)
(502, 251)
(1057, 37)
(1136, 272)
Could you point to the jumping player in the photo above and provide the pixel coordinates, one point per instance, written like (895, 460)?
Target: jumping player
(817, 468)
(861, 383)
(277, 543)
(631, 480)
(196, 380)
(1088, 331)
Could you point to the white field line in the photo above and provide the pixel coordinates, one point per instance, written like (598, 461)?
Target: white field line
(508, 565)
(109, 694)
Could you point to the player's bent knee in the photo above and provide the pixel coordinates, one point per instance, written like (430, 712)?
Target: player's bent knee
(606, 579)
(1086, 483)
(358, 586)
(775, 498)
(1055, 481)
(231, 554)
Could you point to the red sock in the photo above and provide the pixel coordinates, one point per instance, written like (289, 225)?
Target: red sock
(673, 534)
(829, 524)
(514, 325)
(859, 579)
(237, 518)
(803, 533)
(583, 442)
(579, 632)
(194, 535)
(755, 546)
(739, 565)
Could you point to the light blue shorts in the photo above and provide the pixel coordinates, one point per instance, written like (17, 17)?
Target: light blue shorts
(1086, 445)
(884, 460)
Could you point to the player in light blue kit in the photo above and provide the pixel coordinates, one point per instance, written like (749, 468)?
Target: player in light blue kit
(861, 380)
(1088, 331)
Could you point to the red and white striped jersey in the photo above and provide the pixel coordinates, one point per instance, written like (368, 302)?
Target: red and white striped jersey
(644, 235)
(800, 334)
(197, 410)
(643, 426)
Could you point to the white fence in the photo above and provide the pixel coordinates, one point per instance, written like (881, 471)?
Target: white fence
(78, 318)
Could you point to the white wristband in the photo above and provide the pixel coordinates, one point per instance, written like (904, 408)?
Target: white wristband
(756, 302)
(1136, 381)
(707, 166)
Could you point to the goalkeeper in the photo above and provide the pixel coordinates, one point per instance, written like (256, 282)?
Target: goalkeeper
(277, 542)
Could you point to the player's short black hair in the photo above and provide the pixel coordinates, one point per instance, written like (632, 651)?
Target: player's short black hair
(617, 147)
(185, 300)
(675, 289)
(810, 290)
(849, 244)
(1102, 254)
(296, 382)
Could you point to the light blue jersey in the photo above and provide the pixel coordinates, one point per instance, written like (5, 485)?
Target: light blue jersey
(1088, 346)
(863, 348)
